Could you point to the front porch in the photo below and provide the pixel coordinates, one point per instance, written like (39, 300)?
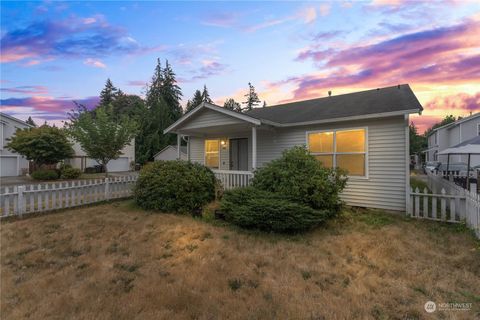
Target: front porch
(221, 139)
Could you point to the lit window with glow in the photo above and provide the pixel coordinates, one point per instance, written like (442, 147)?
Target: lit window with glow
(345, 149)
(212, 158)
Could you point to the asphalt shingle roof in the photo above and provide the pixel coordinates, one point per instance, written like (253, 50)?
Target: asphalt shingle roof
(382, 100)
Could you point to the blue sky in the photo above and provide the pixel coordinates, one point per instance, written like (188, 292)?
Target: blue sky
(55, 52)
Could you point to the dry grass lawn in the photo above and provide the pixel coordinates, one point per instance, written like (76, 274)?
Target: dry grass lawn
(114, 261)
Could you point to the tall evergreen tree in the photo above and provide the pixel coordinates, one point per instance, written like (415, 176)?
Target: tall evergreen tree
(232, 105)
(252, 98)
(196, 100)
(162, 109)
(206, 95)
(31, 122)
(109, 93)
(171, 92)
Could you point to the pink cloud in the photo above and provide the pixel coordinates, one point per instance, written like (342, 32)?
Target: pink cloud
(94, 63)
(26, 90)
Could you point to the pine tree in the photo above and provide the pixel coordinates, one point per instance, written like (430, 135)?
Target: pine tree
(109, 93)
(171, 92)
(162, 109)
(252, 98)
(206, 95)
(196, 100)
(31, 122)
(231, 104)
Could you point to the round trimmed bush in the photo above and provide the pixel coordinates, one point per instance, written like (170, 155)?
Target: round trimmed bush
(70, 173)
(174, 186)
(257, 209)
(300, 177)
(44, 174)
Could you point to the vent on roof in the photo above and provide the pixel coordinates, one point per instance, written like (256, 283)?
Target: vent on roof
(329, 93)
(398, 87)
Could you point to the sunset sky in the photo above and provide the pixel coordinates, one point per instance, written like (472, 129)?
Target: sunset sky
(55, 52)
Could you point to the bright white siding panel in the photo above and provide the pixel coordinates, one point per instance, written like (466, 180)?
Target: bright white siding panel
(209, 118)
(385, 186)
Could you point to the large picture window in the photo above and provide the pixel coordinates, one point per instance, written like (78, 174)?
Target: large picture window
(345, 149)
(212, 158)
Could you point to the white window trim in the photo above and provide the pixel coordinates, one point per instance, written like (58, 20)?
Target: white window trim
(366, 176)
(205, 153)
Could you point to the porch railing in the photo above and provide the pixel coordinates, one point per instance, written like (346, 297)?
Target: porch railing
(233, 179)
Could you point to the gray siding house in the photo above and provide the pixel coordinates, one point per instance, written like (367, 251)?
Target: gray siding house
(171, 153)
(364, 132)
(452, 134)
(11, 163)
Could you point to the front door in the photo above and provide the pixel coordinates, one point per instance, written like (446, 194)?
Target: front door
(239, 154)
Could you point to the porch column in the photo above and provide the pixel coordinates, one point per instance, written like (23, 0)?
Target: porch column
(179, 141)
(254, 148)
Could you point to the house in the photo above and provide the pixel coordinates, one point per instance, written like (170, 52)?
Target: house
(11, 163)
(81, 161)
(364, 132)
(171, 153)
(450, 135)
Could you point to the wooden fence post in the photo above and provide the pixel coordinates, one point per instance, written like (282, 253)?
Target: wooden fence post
(20, 199)
(107, 191)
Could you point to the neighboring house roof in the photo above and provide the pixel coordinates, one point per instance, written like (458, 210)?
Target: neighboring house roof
(456, 123)
(381, 102)
(378, 101)
(471, 146)
(183, 149)
(15, 119)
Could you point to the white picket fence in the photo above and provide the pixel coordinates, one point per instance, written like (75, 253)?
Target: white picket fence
(19, 200)
(452, 204)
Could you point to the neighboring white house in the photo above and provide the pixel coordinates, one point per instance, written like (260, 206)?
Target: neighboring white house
(11, 163)
(364, 132)
(81, 161)
(452, 134)
(171, 153)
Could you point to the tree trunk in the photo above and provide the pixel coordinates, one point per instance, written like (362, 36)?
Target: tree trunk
(105, 169)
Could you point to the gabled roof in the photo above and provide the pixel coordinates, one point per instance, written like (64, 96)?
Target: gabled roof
(376, 103)
(15, 119)
(183, 149)
(206, 105)
(383, 101)
(452, 125)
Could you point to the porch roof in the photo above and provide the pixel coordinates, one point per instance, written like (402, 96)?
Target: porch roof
(246, 119)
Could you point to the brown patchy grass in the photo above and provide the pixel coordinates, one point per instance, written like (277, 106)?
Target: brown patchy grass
(114, 261)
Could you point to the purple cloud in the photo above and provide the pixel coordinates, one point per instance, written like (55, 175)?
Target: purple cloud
(55, 106)
(26, 90)
(72, 38)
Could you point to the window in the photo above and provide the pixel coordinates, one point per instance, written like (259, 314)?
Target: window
(478, 129)
(345, 149)
(212, 158)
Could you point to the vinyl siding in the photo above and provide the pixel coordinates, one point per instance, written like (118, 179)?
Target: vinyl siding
(209, 118)
(385, 185)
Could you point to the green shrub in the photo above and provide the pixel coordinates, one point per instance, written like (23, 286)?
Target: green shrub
(257, 209)
(70, 173)
(45, 174)
(300, 177)
(174, 186)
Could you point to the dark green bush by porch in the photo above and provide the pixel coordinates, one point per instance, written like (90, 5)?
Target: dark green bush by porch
(300, 177)
(251, 208)
(174, 186)
(44, 174)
